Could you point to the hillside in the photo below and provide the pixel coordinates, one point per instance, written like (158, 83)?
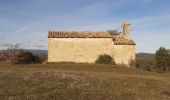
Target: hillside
(81, 82)
(145, 56)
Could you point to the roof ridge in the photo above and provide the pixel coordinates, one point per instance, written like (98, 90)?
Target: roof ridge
(78, 34)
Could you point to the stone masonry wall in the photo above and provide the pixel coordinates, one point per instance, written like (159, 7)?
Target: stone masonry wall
(124, 54)
(81, 50)
(87, 50)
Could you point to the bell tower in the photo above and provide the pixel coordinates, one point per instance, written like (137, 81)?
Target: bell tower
(126, 28)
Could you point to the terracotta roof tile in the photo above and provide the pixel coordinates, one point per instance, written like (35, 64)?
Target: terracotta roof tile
(123, 41)
(74, 34)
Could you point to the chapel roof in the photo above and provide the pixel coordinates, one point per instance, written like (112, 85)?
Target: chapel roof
(123, 41)
(118, 40)
(75, 34)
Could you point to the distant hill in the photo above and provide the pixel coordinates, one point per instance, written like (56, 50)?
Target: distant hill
(38, 51)
(145, 56)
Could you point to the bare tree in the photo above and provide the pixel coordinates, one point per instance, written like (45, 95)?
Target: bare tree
(114, 32)
(13, 47)
(12, 51)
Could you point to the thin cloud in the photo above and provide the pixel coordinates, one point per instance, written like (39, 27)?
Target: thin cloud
(5, 45)
(41, 40)
(28, 41)
(39, 46)
(22, 29)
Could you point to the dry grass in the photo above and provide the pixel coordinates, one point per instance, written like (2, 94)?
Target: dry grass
(81, 82)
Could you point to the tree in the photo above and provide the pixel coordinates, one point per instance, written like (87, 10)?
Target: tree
(162, 57)
(12, 51)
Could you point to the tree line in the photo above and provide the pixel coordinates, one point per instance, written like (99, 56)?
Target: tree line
(15, 55)
(160, 62)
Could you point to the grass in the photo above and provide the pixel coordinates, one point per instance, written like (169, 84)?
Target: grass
(81, 82)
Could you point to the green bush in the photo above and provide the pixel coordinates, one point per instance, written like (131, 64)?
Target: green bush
(162, 57)
(104, 59)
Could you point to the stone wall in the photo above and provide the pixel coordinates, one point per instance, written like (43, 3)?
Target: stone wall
(81, 50)
(124, 54)
(87, 50)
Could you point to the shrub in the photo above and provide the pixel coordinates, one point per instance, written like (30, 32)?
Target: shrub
(25, 57)
(18, 56)
(104, 59)
(42, 58)
(145, 64)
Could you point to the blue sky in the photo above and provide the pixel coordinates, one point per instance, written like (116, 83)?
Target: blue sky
(27, 22)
